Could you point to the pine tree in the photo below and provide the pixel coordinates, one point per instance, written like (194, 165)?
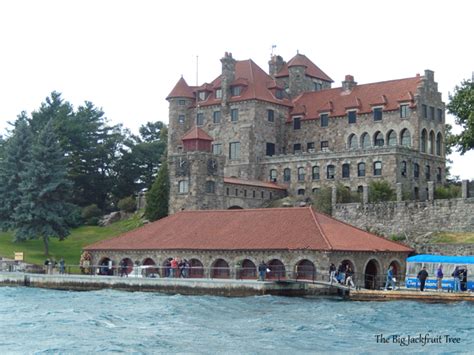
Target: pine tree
(44, 188)
(16, 154)
(158, 196)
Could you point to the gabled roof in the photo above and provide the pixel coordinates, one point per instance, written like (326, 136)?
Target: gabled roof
(255, 183)
(253, 229)
(336, 101)
(197, 133)
(311, 70)
(181, 89)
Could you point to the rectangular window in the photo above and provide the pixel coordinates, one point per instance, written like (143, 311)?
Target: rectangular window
(235, 90)
(200, 119)
(317, 86)
(296, 122)
(253, 194)
(440, 115)
(270, 149)
(377, 114)
(432, 113)
(183, 187)
(424, 109)
(181, 119)
(403, 111)
(416, 170)
(346, 171)
(279, 94)
(352, 116)
(227, 192)
(296, 147)
(202, 95)
(234, 150)
(263, 194)
(217, 148)
(271, 115)
(324, 120)
(219, 94)
(245, 193)
(181, 102)
(234, 115)
(324, 146)
(236, 192)
(310, 147)
(216, 117)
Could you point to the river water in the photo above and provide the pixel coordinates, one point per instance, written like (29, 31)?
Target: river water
(48, 321)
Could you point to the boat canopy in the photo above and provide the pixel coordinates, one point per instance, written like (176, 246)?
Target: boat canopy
(446, 259)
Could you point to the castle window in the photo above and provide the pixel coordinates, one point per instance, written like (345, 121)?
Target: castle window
(315, 173)
(296, 122)
(310, 147)
(217, 148)
(279, 94)
(346, 171)
(439, 143)
(200, 119)
(202, 95)
(330, 172)
(271, 115)
(406, 138)
(273, 175)
(403, 168)
(234, 150)
(210, 187)
(253, 193)
(377, 114)
(365, 141)
(227, 191)
(432, 113)
(301, 174)
(236, 192)
(245, 193)
(352, 142)
(181, 119)
(424, 110)
(378, 139)
(424, 139)
(317, 86)
(219, 94)
(315, 190)
(183, 186)
(270, 149)
(360, 189)
(216, 117)
(440, 115)
(296, 148)
(181, 102)
(324, 146)
(234, 115)
(416, 170)
(287, 175)
(392, 138)
(352, 116)
(404, 111)
(439, 175)
(377, 168)
(235, 90)
(427, 172)
(263, 194)
(361, 169)
(431, 143)
(300, 192)
(324, 117)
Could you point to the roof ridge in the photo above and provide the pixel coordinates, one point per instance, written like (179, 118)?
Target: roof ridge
(326, 239)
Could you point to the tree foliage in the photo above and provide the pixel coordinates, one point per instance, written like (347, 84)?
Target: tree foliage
(127, 204)
(322, 200)
(158, 196)
(447, 191)
(380, 191)
(461, 105)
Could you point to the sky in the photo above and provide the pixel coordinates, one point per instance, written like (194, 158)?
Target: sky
(126, 56)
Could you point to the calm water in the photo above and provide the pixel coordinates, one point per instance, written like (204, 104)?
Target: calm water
(47, 321)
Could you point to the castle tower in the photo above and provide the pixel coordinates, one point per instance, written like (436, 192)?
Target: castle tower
(227, 77)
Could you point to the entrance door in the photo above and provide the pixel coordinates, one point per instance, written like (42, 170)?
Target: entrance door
(371, 274)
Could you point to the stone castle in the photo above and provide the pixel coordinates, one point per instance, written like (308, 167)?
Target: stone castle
(249, 137)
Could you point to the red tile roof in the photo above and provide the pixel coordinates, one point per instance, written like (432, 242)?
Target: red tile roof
(181, 89)
(311, 70)
(197, 133)
(255, 183)
(362, 97)
(253, 229)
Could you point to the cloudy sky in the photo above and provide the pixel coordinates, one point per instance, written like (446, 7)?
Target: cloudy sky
(126, 56)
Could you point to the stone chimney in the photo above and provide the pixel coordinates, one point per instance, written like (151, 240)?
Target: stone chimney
(275, 64)
(228, 76)
(348, 83)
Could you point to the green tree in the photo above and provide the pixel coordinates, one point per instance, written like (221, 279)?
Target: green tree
(461, 105)
(380, 191)
(322, 200)
(16, 154)
(44, 189)
(158, 196)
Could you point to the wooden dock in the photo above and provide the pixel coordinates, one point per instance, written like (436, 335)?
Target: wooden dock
(412, 295)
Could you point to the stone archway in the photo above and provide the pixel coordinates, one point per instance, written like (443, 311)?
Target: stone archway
(150, 271)
(105, 267)
(235, 207)
(196, 270)
(277, 270)
(128, 266)
(247, 270)
(220, 269)
(305, 270)
(371, 275)
(397, 269)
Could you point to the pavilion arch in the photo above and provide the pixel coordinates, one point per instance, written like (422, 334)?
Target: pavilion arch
(305, 270)
(439, 144)
(152, 271)
(405, 137)
(365, 141)
(431, 143)
(352, 141)
(247, 270)
(391, 138)
(129, 265)
(235, 207)
(424, 140)
(220, 269)
(277, 269)
(106, 266)
(348, 262)
(397, 268)
(196, 268)
(372, 274)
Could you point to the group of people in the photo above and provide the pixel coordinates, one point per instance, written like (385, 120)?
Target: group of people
(50, 265)
(343, 274)
(175, 267)
(459, 275)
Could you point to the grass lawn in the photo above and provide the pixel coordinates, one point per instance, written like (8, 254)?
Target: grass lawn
(70, 248)
(453, 237)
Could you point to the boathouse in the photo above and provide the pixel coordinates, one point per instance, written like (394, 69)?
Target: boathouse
(293, 242)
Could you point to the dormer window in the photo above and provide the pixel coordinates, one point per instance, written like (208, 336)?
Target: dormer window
(279, 94)
(235, 90)
(202, 95)
(219, 94)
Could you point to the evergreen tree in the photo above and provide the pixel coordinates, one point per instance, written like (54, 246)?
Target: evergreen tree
(44, 189)
(158, 196)
(16, 154)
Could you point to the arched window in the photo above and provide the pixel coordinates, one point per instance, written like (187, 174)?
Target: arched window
(427, 172)
(424, 138)
(439, 175)
(431, 143)
(183, 187)
(301, 174)
(315, 190)
(287, 175)
(361, 169)
(439, 143)
(346, 171)
(416, 170)
(352, 142)
(360, 189)
(378, 139)
(273, 175)
(365, 141)
(210, 187)
(300, 191)
(405, 138)
(377, 168)
(392, 138)
(330, 172)
(403, 168)
(316, 173)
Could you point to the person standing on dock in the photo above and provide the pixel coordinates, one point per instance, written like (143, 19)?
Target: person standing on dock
(349, 276)
(332, 273)
(457, 279)
(439, 278)
(422, 276)
(61, 266)
(262, 270)
(390, 279)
